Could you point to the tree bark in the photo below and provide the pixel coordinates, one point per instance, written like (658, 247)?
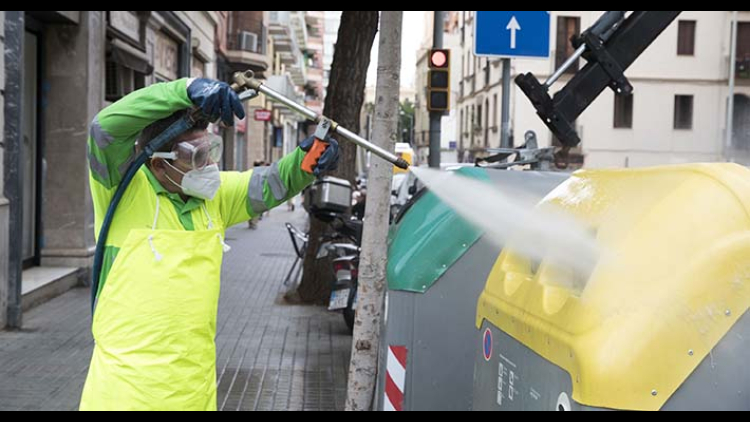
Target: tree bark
(363, 368)
(344, 98)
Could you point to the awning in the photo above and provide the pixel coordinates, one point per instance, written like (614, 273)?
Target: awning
(128, 56)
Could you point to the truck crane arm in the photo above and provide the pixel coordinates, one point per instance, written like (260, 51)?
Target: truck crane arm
(610, 46)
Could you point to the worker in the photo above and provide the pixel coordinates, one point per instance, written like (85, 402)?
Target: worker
(154, 323)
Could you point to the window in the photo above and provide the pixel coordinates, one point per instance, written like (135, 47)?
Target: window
(463, 27)
(567, 28)
(743, 50)
(461, 126)
(471, 127)
(686, 38)
(486, 72)
(741, 129)
(494, 116)
(463, 69)
(121, 80)
(487, 123)
(199, 68)
(624, 111)
(683, 112)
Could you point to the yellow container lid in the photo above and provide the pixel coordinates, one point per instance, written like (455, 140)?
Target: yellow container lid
(672, 279)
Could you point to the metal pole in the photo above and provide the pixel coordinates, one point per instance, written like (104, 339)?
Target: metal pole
(559, 72)
(294, 106)
(505, 130)
(730, 105)
(254, 84)
(380, 152)
(435, 118)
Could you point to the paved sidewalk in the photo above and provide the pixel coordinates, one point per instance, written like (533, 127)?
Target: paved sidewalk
(270, 355)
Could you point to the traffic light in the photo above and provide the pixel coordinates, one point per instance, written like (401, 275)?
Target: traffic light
(439, 81)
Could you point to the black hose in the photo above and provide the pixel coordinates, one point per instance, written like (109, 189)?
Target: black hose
(173, 131)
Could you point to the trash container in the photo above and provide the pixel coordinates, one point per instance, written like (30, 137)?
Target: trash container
(659, 324)
(437, 266)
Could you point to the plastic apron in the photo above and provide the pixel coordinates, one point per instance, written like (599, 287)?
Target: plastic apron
(155, 323)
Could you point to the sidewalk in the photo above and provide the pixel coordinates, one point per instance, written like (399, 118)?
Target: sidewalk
(270, 355)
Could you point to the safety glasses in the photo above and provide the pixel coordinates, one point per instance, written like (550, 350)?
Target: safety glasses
(197, 153)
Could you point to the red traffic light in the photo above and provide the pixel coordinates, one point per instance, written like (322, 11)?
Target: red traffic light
(439, 59)
(438, 80)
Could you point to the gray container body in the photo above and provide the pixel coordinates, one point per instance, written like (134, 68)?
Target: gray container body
(438, 327)
(517, 379)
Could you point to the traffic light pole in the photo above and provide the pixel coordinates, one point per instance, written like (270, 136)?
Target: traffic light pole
(435, 117)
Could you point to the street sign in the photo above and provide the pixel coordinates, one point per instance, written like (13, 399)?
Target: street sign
(262, 115)
(512, 34)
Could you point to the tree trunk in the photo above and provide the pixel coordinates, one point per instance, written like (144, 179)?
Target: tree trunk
(363, 368)
(346, 93)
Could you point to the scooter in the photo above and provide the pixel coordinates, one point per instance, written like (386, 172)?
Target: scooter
(345, 267)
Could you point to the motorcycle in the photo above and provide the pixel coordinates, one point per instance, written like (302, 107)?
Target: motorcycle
(345, 265)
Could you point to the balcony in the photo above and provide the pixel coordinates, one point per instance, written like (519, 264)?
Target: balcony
(288, 30)
(313, 17)
(314, 104)
(284, 85)
(315, 26)
(315, 75)
(279, 23)
(297, 20)
(299, 71)
(315, 44)
(242, 60)
(247, 49)
(283, 35)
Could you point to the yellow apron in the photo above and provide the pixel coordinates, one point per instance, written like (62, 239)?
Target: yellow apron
(155, 323)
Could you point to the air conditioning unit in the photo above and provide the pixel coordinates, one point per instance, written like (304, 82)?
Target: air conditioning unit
(248, 41)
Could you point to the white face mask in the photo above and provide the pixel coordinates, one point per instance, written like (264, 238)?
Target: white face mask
(202, 184)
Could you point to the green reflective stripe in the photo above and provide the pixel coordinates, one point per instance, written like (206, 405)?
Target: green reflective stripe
(99, 135)
(255, 190)
(124, 166)
(271, 186)
(110, 254)
(115, 129)
(276, 184)
(98, 168)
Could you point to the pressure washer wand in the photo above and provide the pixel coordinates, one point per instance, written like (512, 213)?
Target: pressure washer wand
(248, 86)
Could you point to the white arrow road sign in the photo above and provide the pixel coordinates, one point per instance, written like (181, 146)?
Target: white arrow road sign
(499, 33)
(513, 26)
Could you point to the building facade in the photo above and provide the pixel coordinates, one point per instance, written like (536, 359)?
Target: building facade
(60, 68)
(677, 113)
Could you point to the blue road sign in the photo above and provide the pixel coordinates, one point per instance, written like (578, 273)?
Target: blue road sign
(512, 34)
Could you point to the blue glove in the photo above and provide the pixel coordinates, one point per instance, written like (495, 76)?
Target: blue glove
(216, 99)
(320, 160)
